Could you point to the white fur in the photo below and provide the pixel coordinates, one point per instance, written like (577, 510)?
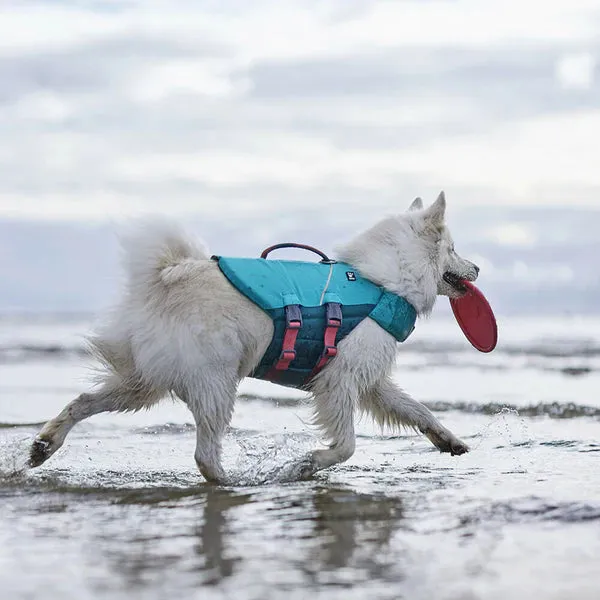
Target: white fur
(182, 329)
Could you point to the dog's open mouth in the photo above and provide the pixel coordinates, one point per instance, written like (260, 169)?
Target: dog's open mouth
(455, 281)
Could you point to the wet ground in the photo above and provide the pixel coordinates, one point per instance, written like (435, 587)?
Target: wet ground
(121, 512)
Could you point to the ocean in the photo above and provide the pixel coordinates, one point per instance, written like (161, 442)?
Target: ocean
(121, 511)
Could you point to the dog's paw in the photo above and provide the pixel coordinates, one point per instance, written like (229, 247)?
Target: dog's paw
(444, 441)
(457, 447)
(40, 452)
(301, 470)
(307, 468)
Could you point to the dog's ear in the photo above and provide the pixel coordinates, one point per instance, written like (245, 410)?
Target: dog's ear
(437, 211)
(417, 204)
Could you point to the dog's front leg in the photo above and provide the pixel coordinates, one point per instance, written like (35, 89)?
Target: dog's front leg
(391, 406)
(334, 416)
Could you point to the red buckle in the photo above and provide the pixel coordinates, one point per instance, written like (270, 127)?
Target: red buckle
(329, 337)
(288, 352)
(330, 352)
(333, 322)
(285, 358)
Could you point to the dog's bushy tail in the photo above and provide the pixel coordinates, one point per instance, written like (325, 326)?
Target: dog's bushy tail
(158, 252)
(155, 253)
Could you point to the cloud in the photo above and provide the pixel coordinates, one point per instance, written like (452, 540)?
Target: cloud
(549, 158)
(98, 66)
(576, 70)
(118, 108)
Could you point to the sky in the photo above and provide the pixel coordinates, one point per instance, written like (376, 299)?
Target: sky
(262, 121)
(240, 109)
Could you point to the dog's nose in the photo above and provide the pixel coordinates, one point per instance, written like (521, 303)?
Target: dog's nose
(476, 269)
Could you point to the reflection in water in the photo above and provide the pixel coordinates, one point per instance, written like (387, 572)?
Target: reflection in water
(167, 548)
(347, 529)
(316, 534)
(353, 530)
(213, 531)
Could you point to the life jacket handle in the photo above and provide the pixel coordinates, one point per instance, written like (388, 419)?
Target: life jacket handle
(324, 257)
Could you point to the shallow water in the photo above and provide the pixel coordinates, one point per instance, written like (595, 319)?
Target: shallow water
(121, 512)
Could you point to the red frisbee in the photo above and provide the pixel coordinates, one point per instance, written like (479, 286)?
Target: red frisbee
(476, 318)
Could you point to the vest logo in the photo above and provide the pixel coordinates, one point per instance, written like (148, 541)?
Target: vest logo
(351, 275)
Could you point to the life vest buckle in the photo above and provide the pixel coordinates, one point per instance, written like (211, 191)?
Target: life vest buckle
(285, 358)
(330, 351)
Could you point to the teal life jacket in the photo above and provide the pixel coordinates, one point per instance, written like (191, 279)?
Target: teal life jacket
(313, 307)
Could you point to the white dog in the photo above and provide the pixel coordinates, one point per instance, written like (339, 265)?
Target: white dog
(181, 328)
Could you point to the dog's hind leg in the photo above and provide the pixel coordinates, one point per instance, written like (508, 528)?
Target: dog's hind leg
(113, 396)
(391, 406)
(211, 403)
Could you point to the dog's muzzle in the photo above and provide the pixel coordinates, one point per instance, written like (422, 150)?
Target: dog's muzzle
(455, 281)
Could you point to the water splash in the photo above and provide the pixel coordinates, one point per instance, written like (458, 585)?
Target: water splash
(14, 454)
(269, 458)
(507, 427)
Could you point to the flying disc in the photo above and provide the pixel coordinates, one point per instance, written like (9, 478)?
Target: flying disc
(476, 318)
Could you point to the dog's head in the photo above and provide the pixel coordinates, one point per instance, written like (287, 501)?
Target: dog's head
(452, 268)
(412, 255)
